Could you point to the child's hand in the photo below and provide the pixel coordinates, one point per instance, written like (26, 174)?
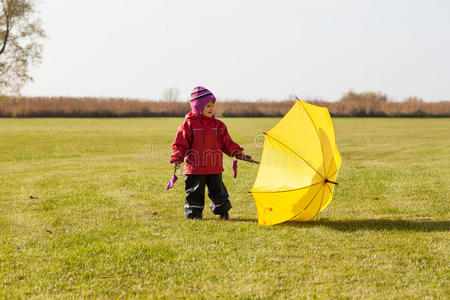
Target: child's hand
(242, 156)
(239, 154)
(176, 164)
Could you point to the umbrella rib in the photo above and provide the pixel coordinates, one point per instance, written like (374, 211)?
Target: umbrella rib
(321, 146)
(321, 201)
(287, 190)
(329, 189)
(294, 153)
(335, 146)
(333, 173)
(306, 206)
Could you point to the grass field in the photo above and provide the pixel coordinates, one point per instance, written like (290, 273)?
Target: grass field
(83, 213)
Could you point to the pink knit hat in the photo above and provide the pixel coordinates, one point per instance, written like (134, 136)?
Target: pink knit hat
(199, 97)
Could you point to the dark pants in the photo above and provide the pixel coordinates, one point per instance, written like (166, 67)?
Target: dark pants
(195, 198)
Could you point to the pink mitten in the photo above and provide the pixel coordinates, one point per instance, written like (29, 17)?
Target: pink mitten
(171, 182)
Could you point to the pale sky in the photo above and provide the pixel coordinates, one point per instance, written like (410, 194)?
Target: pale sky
(245, 49)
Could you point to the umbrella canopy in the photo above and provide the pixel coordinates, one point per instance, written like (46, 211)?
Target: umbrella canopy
(299, 165)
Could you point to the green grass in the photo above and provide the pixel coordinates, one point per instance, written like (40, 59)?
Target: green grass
(101, 225)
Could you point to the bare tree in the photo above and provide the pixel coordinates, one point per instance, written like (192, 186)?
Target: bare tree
(171, 94)
(366, 96)
(20, 47)
(413, 99)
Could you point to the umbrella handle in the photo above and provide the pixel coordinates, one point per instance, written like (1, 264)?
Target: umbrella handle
(246, 158)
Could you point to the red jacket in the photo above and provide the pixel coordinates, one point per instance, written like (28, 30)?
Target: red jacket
(200, 142)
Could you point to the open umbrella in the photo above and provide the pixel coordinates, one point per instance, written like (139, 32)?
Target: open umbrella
(299, 165)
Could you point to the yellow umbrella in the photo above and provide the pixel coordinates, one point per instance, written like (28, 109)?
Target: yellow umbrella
(299, 165)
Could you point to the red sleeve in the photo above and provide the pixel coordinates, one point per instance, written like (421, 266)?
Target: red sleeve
(182, 142)
(229, 147)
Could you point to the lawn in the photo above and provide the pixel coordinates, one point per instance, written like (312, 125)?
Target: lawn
(84, 213)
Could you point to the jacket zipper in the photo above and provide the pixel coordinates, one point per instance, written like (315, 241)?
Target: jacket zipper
(204, 142)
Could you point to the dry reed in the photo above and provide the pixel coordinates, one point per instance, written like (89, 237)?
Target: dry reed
(117, 107)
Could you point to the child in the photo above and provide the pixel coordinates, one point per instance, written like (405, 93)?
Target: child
(199, 142)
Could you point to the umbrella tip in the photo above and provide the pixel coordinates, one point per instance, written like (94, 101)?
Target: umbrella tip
(333, 182)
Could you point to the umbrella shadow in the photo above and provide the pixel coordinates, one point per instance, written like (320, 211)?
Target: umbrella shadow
(351, 225)
(243, 220)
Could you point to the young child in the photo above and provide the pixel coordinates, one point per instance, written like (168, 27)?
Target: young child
(199, 142)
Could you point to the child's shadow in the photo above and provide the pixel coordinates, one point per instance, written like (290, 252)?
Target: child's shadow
(376, 225)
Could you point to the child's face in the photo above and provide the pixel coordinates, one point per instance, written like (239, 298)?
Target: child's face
(208, 110)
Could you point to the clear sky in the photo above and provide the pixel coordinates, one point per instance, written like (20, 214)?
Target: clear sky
(246, 49)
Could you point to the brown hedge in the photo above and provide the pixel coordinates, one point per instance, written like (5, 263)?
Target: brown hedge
(116, 107)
